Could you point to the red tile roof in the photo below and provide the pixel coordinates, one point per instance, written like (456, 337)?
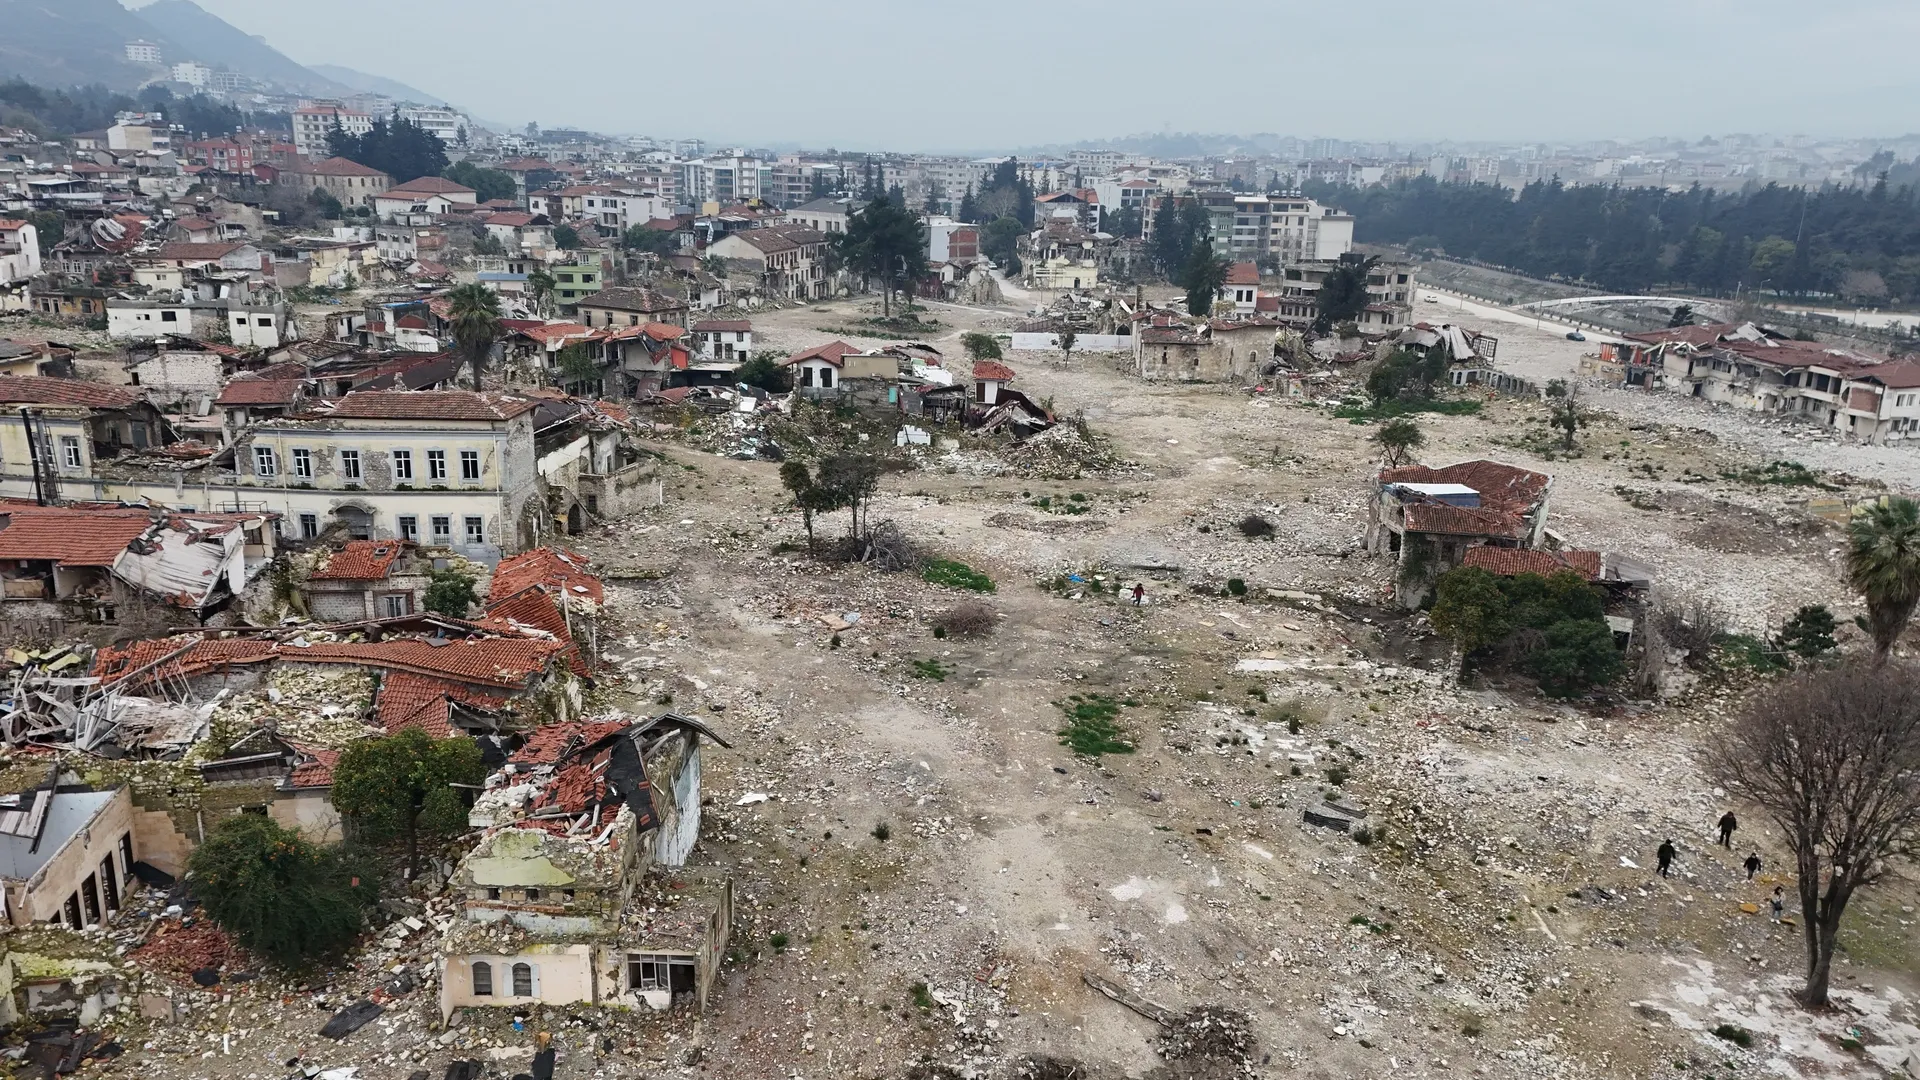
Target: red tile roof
(47, 390)
(71, 537)
(1510, 561)
(335, 166)
(534, 607)
(656, 330)
(509, 663)
(430, 405)
(632, 299)
(550, 332)
(833, 352)
(988, 369)
(206, 654)
(1508, 498)
(260, 392)
(409, 700)
(1243, 273)
(555, 568)
(550, 744)
(724, 326)
(361, 560)
(1901, 374)
(315, 769)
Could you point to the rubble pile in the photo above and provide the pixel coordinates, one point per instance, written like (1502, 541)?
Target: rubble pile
(179, 948)
(1209, 1034)
(1067, 451)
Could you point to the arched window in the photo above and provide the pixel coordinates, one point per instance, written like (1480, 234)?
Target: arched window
(482, 979)
(523, 980)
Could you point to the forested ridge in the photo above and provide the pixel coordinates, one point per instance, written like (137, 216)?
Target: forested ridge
(1861, 244)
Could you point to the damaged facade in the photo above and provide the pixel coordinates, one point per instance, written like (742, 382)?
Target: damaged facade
(556, 908)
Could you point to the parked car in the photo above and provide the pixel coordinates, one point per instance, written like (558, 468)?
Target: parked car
(1575, 335)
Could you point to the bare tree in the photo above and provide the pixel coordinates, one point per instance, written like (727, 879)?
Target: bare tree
(1833, 757)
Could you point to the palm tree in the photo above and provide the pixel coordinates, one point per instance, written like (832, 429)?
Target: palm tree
(475, 315)
(1883, 564)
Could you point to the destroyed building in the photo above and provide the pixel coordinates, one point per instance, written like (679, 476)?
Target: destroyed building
(1428, 518)
(555, 906)
(66, 853)
(368, 579)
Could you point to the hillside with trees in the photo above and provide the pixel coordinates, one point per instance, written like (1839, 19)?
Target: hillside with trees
(1861, 244)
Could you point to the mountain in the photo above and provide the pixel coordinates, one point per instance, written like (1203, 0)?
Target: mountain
(375, 84)
(215, 42)
(68, 42)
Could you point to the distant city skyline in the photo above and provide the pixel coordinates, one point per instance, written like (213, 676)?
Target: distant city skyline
(873, 74)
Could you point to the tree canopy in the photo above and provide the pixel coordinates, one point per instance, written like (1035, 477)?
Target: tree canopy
(1862, 242)
(486, 183)
(400, 148)
(1203, 276)
(277, 894)
(885, 240)
(1883, 564)
(402, 786)
(475, 314)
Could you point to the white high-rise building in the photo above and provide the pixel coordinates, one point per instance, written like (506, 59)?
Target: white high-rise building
(445, 123)
(192, 74)
(314, 119)
(143, 52)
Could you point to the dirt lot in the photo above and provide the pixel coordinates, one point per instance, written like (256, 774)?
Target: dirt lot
(931, 872)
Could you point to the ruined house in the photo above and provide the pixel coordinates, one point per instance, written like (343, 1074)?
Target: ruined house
(1428, 518)
(555, 908)
(66, 853)
(368, 579)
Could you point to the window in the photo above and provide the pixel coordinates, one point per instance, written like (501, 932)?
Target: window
(436, 464)
(350, 464)
(409, 527)
(469, 464)
(442, 529)
(309, 526)
(533, 894)
(493, 894)
(394, 605)
(523, 980)
(403, 464)
(476, 530)
(173, 316)
(263, 321)
(263, 463)
(482, 979)
(70, 451)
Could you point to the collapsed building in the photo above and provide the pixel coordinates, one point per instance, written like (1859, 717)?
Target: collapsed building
(555, 905)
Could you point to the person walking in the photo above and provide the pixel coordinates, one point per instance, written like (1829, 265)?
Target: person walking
(1753, 865)
(1727, 825)
(1665, 855)
(1139, 593)
(1778, 902)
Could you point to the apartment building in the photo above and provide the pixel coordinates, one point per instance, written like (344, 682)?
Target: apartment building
(446, 124)
(314, 119)
(1290, 228)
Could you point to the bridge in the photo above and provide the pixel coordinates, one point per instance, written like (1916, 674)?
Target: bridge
(1718, 307)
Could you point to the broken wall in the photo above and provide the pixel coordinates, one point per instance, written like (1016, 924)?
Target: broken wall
(78, 859)
(674, 771)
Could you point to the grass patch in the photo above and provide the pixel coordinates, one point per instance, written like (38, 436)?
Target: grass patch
(883, 832)
(930, 669)
(922, 997)
(1782, 473)
(779, 941)
(955, 575)
(1090, 729)
(1392, 407)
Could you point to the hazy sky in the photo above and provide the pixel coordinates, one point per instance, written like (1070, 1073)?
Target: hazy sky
(992, 74)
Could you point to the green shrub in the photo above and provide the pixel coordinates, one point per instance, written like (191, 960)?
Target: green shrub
(1735, 1034)
(1236, 587)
